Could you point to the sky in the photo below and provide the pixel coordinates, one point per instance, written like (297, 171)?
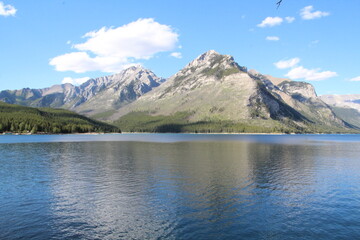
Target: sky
(43, 43)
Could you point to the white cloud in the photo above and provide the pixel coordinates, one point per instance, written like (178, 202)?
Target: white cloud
(74, 81)
(81, 62)
(355, 79)
(111, 49)
(271, 22)
(289, 19)
(272, 38)
(307, 13)
(309, 74)
(78, 62)
(299, 72)
(176, 54)
(7, 10)
(283, 64)
(140, 39)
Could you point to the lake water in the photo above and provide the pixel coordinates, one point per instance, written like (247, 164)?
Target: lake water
(180, 186)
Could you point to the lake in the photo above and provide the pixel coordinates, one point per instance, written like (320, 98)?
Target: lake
(180, 186)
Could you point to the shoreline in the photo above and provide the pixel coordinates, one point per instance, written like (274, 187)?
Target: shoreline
(44, 133)
(190, 133)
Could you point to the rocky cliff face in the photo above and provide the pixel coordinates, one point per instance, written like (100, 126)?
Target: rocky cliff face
(302, 97)
(298, 90)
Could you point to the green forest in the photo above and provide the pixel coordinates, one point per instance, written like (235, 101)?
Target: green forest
(178, 122)
(20, 119)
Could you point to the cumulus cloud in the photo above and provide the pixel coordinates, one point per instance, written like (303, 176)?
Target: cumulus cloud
(7, 10)
(78, 62)
(270, 22)
(176, 54)
(355, 79)
(310, 74)
(272, 38)
(299, 72)
(283, 64)
(289, 19)
(111, 49)
(308, 13)
(74, 81)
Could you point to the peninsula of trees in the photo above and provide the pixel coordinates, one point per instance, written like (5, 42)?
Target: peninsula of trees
(21, 119)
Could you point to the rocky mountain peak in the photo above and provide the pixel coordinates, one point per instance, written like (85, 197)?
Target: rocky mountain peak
(207, 55)
(140, 74)
(129, 72)
(211, 62)
(133, 69)
(209, 58)
(134, 73)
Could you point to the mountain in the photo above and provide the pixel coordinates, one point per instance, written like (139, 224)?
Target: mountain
(302, 97)
(347, 101)
(345, 106)
(95, 96)
(214, 91)
(20, 119)
(211, 86)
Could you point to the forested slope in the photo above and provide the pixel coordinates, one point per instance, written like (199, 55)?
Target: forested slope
(20, 119)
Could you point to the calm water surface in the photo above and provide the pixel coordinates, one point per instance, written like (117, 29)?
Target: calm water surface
(180, 186)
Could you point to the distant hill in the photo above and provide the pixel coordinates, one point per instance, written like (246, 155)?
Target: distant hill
(350, 115)
(347, 101)
(346, 107)
(20, 119)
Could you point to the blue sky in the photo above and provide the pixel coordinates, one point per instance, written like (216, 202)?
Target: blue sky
(43, 43)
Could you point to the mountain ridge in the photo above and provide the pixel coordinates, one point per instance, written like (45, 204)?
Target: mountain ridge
(213, 89)
(122, 87)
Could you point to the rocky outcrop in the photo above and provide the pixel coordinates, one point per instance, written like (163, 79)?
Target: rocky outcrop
(299, 90)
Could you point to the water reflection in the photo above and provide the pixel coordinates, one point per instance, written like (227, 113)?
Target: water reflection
(179, 190)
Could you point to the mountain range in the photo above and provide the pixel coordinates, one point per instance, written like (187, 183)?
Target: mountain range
(213, 93)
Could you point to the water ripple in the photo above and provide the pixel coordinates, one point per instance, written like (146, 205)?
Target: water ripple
(181, 189)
